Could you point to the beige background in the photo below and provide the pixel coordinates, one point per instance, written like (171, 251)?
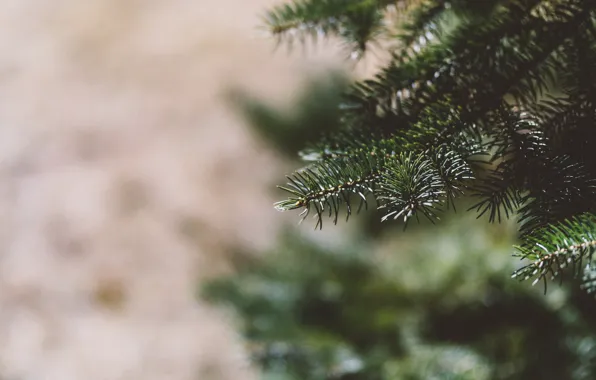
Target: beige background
(125, 179)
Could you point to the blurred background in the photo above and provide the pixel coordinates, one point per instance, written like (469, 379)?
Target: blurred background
(127, 178)
(140, 146)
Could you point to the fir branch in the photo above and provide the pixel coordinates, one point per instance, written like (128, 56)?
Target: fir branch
(517, 146)
(501, 59)
(453, 169)
(554, 248)
(419, 28)
(560, 188)
(357, 21)
(514, 79)
(440, 124)
(422, 182)
(327, 185)
(404, 183)
(498, 197)
(410, 185)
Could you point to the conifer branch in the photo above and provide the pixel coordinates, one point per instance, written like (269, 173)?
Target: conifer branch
(422, 183)
(327, 185)
(356, 21)
(402, 183)
(552, 249)
(509, 84)
(410, 185)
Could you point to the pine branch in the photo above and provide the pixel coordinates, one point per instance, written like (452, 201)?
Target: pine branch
(410, 185)
(403, 183)
(510, 79)
(517, 146)
(357, 21)
(419, 28)
(440, 124)
(454, 171)
(498, 197)
(477, 73)
(327, 185)
(560, 188)
(556, 247)
(422, 183)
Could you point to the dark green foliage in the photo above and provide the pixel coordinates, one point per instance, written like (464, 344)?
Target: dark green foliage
(493, 99)
(415, 184)
(313, 113)
(411, 310)
(308, 313)
(410, 186)
(429, 176)
(553, 248)
(356, 21)
(329, 185)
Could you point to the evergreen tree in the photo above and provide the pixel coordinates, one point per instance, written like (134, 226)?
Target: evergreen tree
(358, 312)
(494, 99)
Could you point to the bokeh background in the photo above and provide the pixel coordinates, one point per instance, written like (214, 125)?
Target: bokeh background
(140, 145)
(126, 178)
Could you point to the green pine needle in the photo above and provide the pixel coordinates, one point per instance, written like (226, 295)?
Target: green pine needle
(552, 249)
(329, 185)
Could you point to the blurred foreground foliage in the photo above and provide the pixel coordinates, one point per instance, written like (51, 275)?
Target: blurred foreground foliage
(432, 304)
